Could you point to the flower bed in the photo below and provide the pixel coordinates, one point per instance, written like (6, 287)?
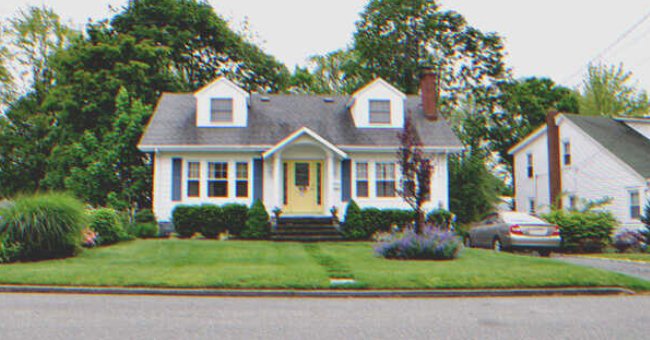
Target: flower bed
(431, 244)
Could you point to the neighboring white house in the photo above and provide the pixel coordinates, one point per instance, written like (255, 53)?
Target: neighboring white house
(590, 158)
(301, 153)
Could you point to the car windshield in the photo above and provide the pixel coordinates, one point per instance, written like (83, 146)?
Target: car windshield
(522, 219)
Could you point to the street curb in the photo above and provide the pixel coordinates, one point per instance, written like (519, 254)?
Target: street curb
(437, 293)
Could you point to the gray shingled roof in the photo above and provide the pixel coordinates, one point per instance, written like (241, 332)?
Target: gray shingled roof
(174, 123)
(626, 143)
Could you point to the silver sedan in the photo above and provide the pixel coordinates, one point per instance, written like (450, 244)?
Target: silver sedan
(514, 230)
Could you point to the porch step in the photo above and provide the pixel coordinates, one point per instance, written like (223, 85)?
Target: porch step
(305, 220)
(306, 229)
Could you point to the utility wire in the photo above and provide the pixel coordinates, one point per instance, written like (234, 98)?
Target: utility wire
(611, 46)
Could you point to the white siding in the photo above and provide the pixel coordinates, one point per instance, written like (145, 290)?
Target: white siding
(378, 89)
(641, 127)
(163, 205)
(596, 173)
(439, 182)
(537, 187)
(162, 202)
(221, 88)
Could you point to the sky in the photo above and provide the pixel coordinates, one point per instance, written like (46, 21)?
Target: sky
(551, 38)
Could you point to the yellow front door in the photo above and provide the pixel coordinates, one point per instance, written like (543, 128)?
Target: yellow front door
(303, 185)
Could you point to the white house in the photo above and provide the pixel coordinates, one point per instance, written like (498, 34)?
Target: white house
(575, 158)
(301, 153)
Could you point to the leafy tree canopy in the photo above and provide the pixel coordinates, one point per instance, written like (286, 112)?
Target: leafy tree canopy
(607, 91)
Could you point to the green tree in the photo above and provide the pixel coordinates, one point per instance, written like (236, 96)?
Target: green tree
(473, 189)
(395, 38)
(607, 91)
(522, 107)
(35, 35)
(200, 43)
(112, 170)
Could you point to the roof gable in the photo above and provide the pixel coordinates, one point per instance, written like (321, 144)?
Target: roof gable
(297, 134)
(622, 141)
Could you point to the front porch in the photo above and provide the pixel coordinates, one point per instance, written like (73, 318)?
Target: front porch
(304, 177)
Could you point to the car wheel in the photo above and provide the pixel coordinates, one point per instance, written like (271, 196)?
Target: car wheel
(468, 242)
(545, 253)
(496, 245)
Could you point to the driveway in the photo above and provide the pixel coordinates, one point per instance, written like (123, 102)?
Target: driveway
(640, 270)
(51, 317)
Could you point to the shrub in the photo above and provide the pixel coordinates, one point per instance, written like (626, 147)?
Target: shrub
(145, 230)
(583, 231)
(431, 244)
(44, 225)
(145, 216)
(185, 219)
(440, 218)
(628, 240)
(353, 226)
(9, 252)
(257, 224)
(107, 223)
(210, 219)
(401, 218)
(234, 217)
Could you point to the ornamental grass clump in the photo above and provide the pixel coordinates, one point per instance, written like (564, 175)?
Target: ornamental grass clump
(431, 244)
(43, 226)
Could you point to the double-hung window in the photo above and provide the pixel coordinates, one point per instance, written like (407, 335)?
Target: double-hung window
(529, 165)
(193, 179)
(362, 179)
(635, 205)
(242, 179)
(379, 111)
(567, 152)
(221, 110)
(217, 179)
(385, 173)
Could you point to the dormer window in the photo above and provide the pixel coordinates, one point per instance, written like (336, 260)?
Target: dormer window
(221, 110)
(379, 111)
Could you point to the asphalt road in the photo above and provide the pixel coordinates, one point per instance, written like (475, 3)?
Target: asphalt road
(32, 316)
(638, 269)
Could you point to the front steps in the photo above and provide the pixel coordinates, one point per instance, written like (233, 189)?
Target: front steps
(306, 229)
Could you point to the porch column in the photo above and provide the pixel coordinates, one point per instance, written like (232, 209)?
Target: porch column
(277, 180)
(333, 184)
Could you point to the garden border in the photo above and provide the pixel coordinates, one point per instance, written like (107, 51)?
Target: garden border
(333, 293)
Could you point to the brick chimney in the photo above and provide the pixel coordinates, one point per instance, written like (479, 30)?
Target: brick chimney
(554, 167)
(430, 92)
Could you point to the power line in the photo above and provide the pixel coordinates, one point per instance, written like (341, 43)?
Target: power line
(611, 46)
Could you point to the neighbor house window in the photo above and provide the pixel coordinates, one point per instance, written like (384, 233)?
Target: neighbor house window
(221, 110)
(379, 111)
(573, 202)
(635, 205)
(362, 179)
(218, 179)
(532, 206)
(567, 153)
(385, 173)
(193, 179)
(529, 166)
(242, 179)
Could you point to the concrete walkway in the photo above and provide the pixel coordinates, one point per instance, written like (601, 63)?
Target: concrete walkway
(636, 269)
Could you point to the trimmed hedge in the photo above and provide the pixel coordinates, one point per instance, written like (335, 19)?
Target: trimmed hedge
(234, 218)
(210, 220)
(107, 223)
(363, 223)
(583, 231)
(145, 230)
(42, 226)
(145, 216)
(258, 225)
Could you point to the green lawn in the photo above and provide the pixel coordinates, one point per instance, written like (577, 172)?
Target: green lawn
(241, 264)
(645, 257)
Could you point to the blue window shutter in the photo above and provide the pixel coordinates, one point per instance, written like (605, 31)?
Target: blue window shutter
(177, 175)
(346, 184)
(258, 179)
